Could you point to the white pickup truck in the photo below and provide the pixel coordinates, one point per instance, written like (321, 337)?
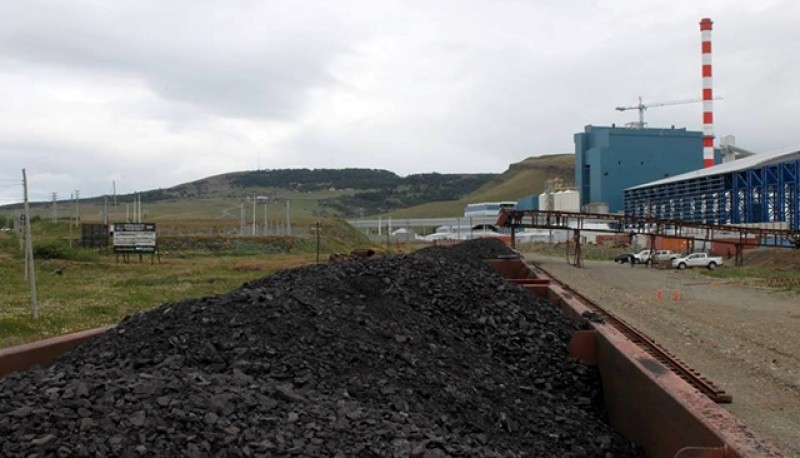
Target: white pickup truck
(648, 256)
(697, 260)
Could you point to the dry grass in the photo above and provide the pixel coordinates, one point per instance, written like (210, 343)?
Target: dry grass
(89, 295)
(270, 265)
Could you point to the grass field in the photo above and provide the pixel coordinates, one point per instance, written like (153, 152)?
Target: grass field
(87, 295)
(82, 289)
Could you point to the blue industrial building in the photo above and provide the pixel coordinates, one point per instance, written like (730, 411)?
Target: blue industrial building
(759, 189)
(610, 159)
(527, 203)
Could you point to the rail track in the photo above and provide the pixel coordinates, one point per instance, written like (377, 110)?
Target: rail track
(649, 345)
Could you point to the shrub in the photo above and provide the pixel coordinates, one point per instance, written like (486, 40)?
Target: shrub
(56, 250)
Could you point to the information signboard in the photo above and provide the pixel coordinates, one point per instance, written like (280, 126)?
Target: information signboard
(134, 237)
(94, 235)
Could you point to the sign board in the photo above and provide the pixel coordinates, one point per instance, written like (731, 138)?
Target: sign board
(134, 238)
(94, 235)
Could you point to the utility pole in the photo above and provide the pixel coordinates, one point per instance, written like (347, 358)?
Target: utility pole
(77, 208)
(254, 213)
(77, 215)
(30, 272)
(241, 218)
(266, 221)
(71, 197)
(288, 219)
(55, 209)
(316, 226)
(105, 210)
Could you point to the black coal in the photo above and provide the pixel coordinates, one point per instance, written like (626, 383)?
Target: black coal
(423, 355)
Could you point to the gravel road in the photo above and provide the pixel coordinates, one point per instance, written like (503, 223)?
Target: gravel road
(742, 338)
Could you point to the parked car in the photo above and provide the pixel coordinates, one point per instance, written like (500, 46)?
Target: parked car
(665, 255)
(697, 260)
(624, 258)
(642, 257)
(647, 256)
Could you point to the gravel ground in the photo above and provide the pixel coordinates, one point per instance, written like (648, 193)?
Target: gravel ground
(426, 355)
(744, 339)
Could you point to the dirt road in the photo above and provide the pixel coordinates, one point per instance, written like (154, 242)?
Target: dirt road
(746, 340)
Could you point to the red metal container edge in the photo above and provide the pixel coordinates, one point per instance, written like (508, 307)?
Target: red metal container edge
(645, 400)
(23, 357)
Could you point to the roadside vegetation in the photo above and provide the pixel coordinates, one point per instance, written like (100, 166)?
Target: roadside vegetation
(591, 252)
(776, 268)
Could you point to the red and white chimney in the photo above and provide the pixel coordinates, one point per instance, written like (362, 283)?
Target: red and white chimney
(708, 94)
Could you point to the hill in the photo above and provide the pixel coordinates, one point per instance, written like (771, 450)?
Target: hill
(521, 179)
(315, 193)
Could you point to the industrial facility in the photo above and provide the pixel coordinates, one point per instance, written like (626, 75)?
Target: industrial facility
(755, 190)
(759, 189)
(658, 174)
(661, 173)
(674, 183)
(609, 160)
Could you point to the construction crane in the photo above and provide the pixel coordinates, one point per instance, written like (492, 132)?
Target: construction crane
(642, 106)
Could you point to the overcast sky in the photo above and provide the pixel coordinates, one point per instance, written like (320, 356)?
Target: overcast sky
(152, 94)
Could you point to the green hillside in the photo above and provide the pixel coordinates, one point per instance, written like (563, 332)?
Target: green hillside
(313, 193)
(317, 193)
(521, 179)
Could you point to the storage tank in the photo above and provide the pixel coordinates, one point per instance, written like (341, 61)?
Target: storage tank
(567, 201)
(543, 201)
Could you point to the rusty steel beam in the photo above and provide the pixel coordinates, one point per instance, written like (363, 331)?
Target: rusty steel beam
(545, 219)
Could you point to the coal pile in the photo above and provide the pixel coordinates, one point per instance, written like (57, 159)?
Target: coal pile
(484, 248)
(424, 355)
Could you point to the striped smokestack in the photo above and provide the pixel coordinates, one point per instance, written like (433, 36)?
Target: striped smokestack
(708, 94)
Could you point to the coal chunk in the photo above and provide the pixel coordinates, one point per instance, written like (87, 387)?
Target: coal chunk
(431, 354)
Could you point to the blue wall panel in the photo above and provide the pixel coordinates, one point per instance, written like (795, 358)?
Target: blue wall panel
(761, 194)
(610, 159)
(527, 203)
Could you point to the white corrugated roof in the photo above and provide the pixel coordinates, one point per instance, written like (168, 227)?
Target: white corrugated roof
(733, 166)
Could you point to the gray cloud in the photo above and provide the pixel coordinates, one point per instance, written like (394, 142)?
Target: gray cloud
(153, 93)
(256, 65)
